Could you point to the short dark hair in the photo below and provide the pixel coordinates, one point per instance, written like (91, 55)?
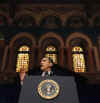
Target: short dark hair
(51, 60)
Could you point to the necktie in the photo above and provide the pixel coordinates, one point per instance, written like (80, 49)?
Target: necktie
(47, 74)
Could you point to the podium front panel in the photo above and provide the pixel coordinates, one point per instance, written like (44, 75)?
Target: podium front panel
(68, 90)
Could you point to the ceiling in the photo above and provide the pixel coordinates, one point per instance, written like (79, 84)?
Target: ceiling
(50, 1)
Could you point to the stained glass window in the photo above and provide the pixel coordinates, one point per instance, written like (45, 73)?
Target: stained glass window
(51, 52)
(23, 58)
(78, 59)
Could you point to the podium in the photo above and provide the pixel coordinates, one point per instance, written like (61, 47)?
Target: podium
(67, 94)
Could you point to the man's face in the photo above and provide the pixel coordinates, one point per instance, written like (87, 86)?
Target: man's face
(45, 64)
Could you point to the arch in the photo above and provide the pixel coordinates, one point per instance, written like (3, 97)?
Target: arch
(60, 48)
(78, 59)
(88, 51)
(78, 35)
(49, 35)
(13, 47)
(22, 34)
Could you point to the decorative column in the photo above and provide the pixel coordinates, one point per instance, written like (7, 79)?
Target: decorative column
(97, 59)
(39, 55)
(69, 57)
(91, 62)
(61, 59)
(10, 64)
(4, 58)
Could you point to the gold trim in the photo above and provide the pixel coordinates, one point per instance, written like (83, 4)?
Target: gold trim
(41, 92)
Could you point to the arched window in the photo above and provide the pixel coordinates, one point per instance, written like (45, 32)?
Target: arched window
(51, 52)
(78, 59)
(23, 58)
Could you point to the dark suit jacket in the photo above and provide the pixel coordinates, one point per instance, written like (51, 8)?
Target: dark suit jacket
(57, 70)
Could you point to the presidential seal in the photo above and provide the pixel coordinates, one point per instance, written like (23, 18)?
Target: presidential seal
(48, 89)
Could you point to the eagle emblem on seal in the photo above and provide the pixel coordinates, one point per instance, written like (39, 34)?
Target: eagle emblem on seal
(48, 89)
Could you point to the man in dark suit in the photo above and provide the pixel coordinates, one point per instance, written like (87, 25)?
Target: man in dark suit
(47, 68)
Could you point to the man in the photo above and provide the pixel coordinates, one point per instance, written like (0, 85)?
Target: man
(48, 68)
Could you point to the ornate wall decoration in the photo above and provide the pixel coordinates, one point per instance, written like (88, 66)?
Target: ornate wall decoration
(95, 18)
(96, 21)
(51, 22)
(4, 15)
(41, 11)
(76, 22)
(3, 20)
(64, 12)
(25, 21)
